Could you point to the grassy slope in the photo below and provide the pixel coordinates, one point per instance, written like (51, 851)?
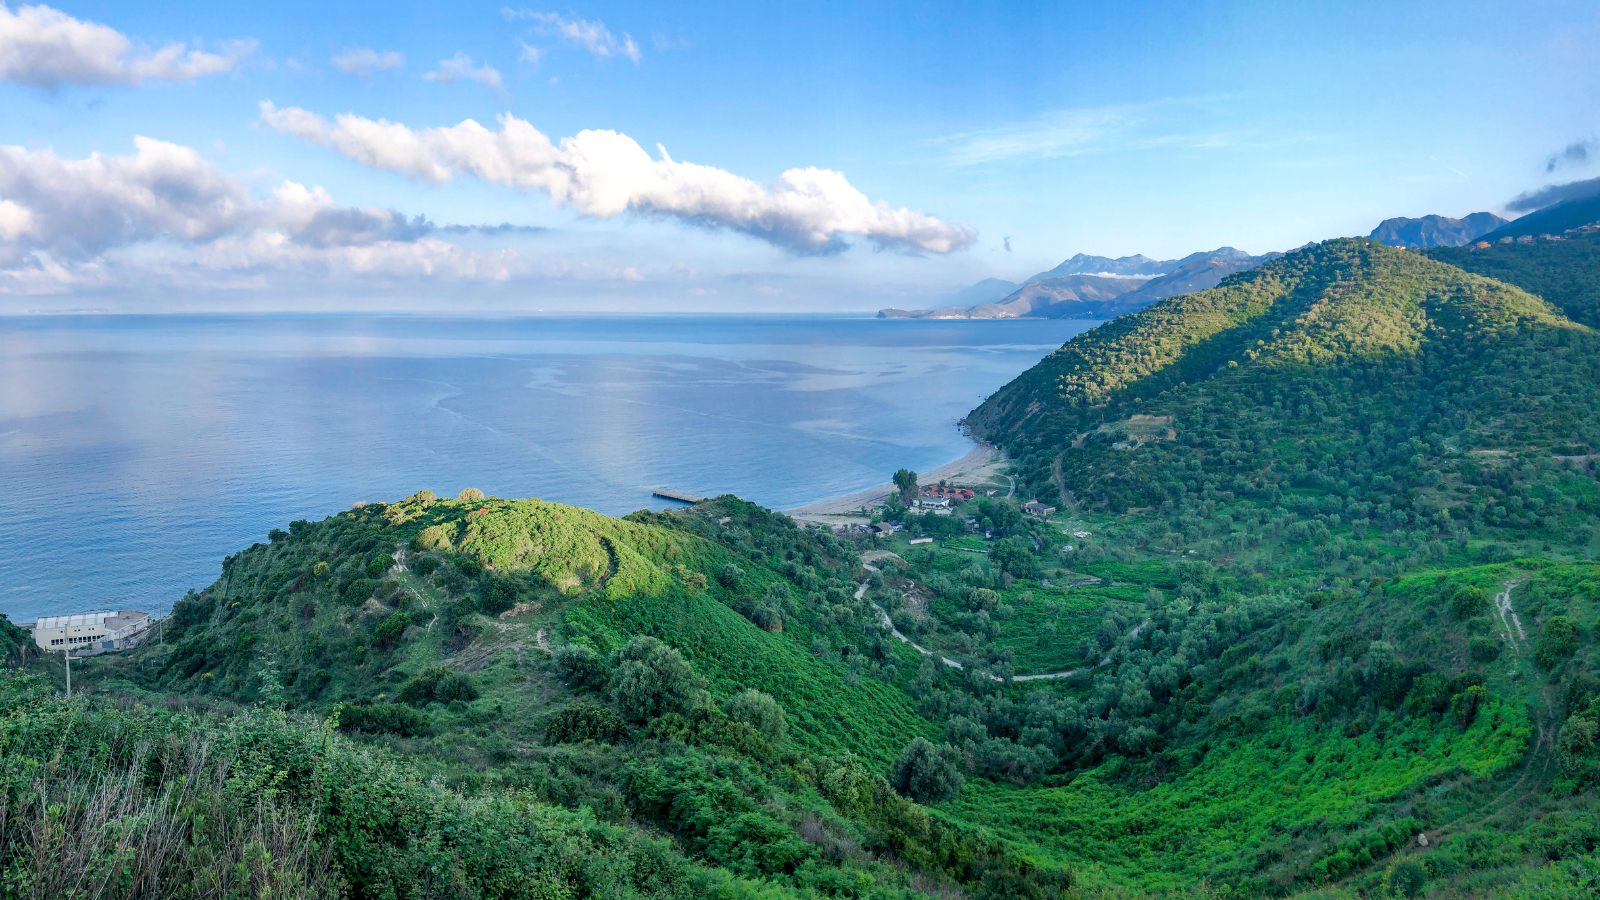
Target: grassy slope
(591, 575)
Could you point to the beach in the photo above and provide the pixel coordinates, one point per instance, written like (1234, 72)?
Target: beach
(981, 464)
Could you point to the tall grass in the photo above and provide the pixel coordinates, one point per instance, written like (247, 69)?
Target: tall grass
(164, 829)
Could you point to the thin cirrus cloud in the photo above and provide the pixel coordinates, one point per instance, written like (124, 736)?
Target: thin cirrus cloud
(63, 223)
(1071, 132)
(602, 174)
(594, 36)
(459, 68)
(46, 48)
(362, 62)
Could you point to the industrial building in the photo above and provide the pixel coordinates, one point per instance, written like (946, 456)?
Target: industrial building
(91, 633)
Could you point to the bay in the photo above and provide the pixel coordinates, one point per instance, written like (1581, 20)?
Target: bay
(137, 451)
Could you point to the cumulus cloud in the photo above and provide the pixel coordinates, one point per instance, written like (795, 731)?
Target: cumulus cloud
(363, 61)
(46, 48)
(459, 68)
(1550, 195)
(594, 36)
(61, 220)
(602, 174)
(1575, 154)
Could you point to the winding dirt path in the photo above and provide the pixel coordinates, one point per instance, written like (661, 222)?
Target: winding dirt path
(1508, 616)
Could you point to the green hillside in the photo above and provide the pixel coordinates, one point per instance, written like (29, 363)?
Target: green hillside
(1317, 616)
(665, 673)
(1564, 272)
(1369, 479)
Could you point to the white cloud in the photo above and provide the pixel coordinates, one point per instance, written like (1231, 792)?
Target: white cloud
(363, 61)
(530, 54)
(46, 48)
(459, 68)
(602, 174)
(70, 221)
(594, 37)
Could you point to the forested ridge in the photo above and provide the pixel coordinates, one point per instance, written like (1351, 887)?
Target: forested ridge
(1316, 616)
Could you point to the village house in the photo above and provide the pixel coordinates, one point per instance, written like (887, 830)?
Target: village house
(1035, 508)
(91, 633)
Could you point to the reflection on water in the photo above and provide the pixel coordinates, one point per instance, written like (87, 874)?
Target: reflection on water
(136, 452)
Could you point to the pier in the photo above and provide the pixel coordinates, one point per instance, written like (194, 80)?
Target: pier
(682, 496)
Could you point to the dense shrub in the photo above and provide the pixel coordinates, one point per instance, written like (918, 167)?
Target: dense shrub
(1557, 641)
(388, 632)
(437, 685)
(1483, 649)
(650, 679)
(760, 712)
(585, 722)
(928, 774)
(385, 718)
(358, 590)
(582, 667)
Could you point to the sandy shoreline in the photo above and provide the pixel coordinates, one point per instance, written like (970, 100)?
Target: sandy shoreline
(977, 465)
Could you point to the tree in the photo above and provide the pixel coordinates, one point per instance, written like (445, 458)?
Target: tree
(581, 666)
(651, 679)
(906, 481)
(470, 494)
(761, 712)
(1558, 641)
(928, 774)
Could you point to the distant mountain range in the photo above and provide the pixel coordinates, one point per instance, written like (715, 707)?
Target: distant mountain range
(1551, 220)
(1091, 287)
(1435, 231)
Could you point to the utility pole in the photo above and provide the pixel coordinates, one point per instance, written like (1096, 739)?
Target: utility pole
(67, 655)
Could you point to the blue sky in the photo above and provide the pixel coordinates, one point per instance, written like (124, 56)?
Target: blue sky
(1002, 138)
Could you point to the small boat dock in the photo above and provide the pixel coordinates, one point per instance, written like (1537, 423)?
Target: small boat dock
(681, 496)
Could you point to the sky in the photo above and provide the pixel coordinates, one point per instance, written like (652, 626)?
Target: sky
(624, 157)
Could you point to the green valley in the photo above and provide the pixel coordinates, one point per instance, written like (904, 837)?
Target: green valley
(1315, 614)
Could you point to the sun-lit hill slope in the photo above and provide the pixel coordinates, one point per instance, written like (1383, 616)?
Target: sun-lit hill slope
(350, 608)
(1351, 368)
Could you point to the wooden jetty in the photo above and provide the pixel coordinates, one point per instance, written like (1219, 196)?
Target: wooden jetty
(682, 496)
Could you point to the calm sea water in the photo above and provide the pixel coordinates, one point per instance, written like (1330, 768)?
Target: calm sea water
(136, 452)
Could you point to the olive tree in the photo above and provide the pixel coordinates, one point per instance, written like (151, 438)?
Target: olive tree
(651, 679)
(926, 773)
(759, 711)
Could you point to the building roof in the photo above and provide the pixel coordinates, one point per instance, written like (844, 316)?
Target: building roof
(109, 620)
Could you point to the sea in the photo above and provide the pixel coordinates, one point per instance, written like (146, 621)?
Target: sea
(137, 451)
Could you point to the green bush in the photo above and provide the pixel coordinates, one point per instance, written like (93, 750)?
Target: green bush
(761, 712)
(585, 722)
(1483, 649)
(1466, 602)
(359, 590)
(499, 595)
(582, 667)
(650, 679)
(1556, 642)
(384, 718)
(437, 685)
(425, 565)
(388, 632)
(928, 774)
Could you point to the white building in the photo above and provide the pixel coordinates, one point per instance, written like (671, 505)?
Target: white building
(90, 633)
